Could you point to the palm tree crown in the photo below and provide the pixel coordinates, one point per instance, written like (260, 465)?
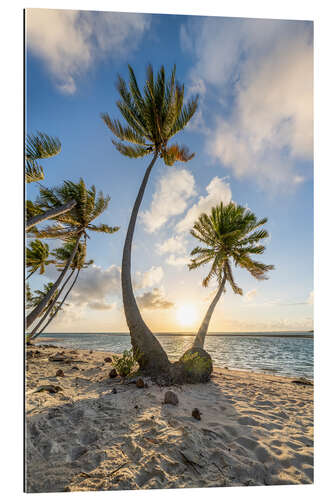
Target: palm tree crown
(89, 205)
(152, 117)
(37, 147)
(232, 234)
(37, 257)
(63, 253)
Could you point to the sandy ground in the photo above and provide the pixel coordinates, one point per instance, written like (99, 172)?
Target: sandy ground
(97, 433)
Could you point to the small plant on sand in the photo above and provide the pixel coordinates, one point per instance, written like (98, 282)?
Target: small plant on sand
(125, 363)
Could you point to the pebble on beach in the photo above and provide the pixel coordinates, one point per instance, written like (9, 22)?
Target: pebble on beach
(171, 398)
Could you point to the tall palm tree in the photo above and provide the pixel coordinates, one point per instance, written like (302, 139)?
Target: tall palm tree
(232, 234)
(78, 263)
(37, 257)
(72, 225)
(152, 118)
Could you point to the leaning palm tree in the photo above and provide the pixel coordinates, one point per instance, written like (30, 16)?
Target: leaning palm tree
(38, 147)
(231, 234)
(63, 254)
(152, 118)
(37, 257)
(72, 225)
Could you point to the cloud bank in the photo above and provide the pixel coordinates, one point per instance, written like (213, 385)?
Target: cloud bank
(261, 78)
(70, 42)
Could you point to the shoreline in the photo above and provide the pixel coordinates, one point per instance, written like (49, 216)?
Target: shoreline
(172, 359)
(98, 433)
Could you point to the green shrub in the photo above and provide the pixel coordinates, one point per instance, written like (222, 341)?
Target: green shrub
(125, 363)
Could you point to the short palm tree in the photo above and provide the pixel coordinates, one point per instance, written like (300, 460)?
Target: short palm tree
(62, 255)
(72, 225)
(152, 118)
(37, 257)
(232, 235)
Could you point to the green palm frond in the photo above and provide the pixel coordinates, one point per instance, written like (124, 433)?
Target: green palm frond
(38, 147)
(152, 115)
(231, 235)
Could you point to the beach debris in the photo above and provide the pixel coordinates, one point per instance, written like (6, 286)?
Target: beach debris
(114, 391)
(60, 373)
(302, 381)
(113, 373)
(196, 414)
(59, 356)
(171, 398)
(52, 389)
(107, 360)
(75, 368)
(140, 383)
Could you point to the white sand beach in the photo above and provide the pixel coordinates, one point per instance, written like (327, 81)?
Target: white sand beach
(98, 433)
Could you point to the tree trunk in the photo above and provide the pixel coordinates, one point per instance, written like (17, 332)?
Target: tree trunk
(32, 334)
(60, 305)
(151, 356)
(202, 332)
(32, 272)
(43, 303)
(53, 212)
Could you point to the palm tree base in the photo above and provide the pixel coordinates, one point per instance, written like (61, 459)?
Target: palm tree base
(195, 366)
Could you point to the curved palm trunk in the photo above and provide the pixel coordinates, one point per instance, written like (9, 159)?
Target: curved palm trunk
(60, 305)
(151, 355)
(32, 272)
(32, 334)
(202, 332)
(43, 303)
(53, 212)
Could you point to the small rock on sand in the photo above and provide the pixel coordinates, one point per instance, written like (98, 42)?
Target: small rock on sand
(171, 398)
(52, 389)
(196, 414)
(113, 373)
(60, 373)
(140, 383)
(107, 360)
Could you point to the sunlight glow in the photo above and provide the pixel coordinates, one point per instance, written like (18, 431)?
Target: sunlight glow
(186, 314)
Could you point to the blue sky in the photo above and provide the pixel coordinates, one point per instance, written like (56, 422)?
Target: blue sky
(252, 136)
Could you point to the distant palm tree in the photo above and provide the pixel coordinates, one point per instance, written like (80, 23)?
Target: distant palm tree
(62, 254)
(72, 225)
(152, 119)
(231, 235)
(37, 257)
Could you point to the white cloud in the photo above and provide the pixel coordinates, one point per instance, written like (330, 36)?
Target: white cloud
(154, 300)
(175, 244)
(148, 278)
(217, 190)
(95, 284)
(172, 260)
(170, 198)
(263, 68)
(70, 42)
(250, 295)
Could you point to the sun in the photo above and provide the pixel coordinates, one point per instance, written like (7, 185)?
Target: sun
(186, 314)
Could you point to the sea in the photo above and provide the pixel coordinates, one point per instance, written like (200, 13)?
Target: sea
(280, 353)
